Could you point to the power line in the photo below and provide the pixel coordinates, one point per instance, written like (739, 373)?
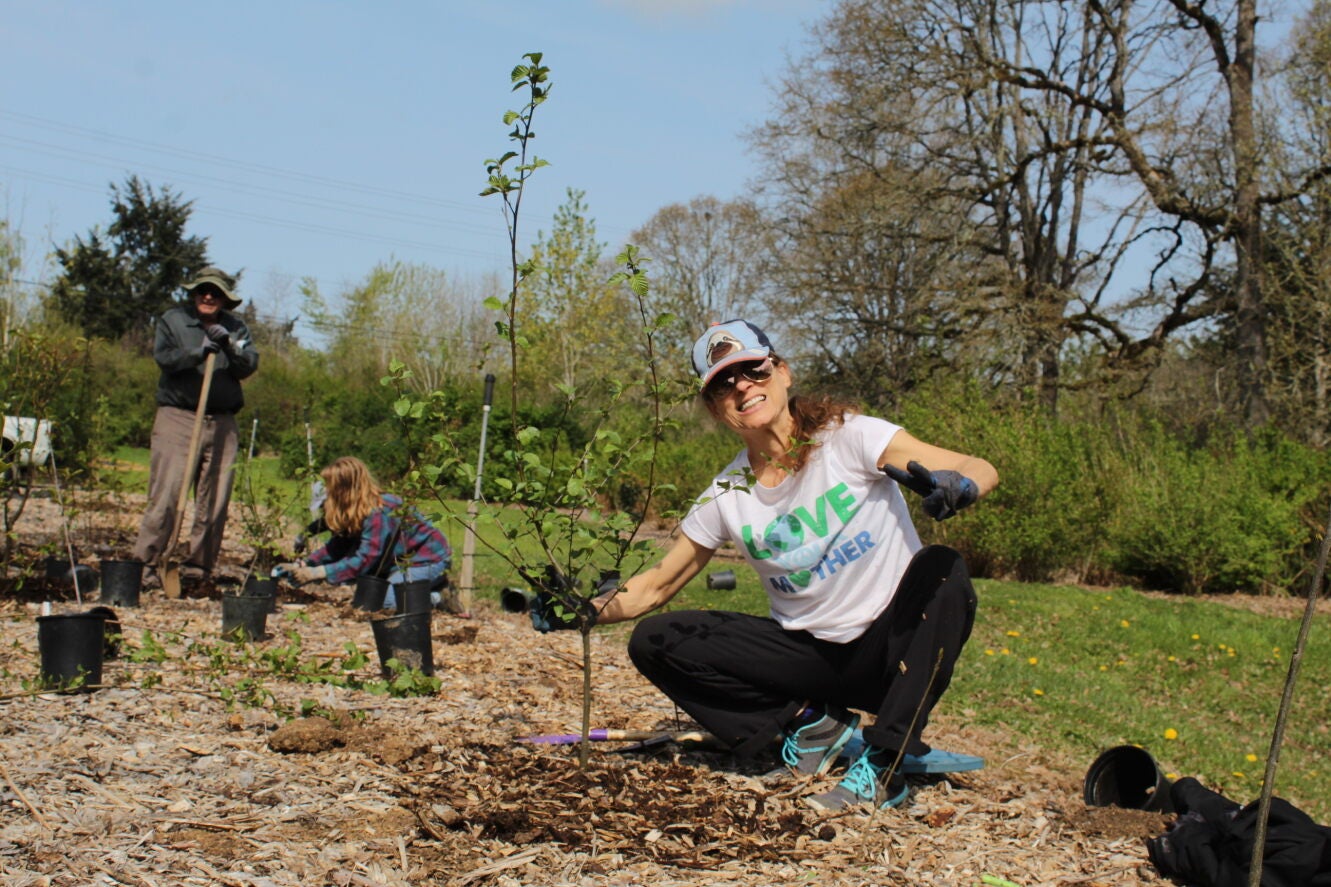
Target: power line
(48, 149)
(276, 172)
(311, 227)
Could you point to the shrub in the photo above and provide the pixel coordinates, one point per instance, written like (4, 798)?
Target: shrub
(1045, 519)
(1216, 518)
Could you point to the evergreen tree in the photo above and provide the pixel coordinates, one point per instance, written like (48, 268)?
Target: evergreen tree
(112, 284)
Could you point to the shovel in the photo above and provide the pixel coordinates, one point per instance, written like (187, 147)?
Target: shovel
(170, 557)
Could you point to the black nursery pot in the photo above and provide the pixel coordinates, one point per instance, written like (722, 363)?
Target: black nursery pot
(406, 638)
(516, 600)
(57, 568)
(414, 597)
(1127, 776)
(71, 648)
(722, 580)
(370, 593)
(122, 581)
(244, 617)
(261, 587)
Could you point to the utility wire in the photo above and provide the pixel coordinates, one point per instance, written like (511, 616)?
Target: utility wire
(204, 210)
(293, 197)
(276, 172)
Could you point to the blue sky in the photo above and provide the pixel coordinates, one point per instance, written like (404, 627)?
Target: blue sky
(318, 138)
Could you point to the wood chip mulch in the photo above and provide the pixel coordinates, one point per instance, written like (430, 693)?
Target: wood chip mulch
(157, 779)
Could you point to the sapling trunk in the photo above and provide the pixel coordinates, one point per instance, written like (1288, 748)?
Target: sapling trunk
(584, 749)
(1286, 700)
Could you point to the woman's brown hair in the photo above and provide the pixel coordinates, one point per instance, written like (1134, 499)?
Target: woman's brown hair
(352, 494)
(812, 415)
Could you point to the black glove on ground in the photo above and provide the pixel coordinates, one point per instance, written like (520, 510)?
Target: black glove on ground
(945, 492)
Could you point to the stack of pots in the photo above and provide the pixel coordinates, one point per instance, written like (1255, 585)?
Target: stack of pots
(404, 637)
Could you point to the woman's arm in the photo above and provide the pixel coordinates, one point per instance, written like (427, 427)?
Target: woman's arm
(905, 448)
(654, 586)
(376, 535)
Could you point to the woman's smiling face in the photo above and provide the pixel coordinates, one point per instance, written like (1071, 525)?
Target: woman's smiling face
(749, 395)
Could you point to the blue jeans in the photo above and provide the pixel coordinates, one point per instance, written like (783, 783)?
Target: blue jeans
(414, 573)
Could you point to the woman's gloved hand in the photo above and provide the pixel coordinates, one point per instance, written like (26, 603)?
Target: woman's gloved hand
(303, 574)
(945, 492)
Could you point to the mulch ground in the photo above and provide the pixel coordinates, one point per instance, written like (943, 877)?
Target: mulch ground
(199, 769)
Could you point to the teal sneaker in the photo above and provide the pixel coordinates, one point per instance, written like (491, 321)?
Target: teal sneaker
(864, 783)
(810, 749)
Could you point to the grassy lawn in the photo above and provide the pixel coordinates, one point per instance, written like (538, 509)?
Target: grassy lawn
(1196, 682)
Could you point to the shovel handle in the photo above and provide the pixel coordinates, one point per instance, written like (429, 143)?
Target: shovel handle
(171, 572)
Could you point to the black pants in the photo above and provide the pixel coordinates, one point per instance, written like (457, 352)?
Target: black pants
(745, 677)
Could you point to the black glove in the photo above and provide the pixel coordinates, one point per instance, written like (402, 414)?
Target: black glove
(298, 545)
(208, 347)
(573, 612)
(945, 492)
(217, 333)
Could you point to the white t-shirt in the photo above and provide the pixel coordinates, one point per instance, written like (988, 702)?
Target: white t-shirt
(829, 543)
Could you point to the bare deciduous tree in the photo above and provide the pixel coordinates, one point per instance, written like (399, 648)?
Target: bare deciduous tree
(981, 194)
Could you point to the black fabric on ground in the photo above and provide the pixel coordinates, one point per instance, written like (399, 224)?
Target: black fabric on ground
(1210, 844)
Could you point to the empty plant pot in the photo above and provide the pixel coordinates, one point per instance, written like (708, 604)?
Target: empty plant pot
(71, 648)
(516, 600)
(1127, 776)
(244, 618)
(370, 592)
(721, 580)
(263, 587)
(406, 638)
(413, 597)
(122, 581)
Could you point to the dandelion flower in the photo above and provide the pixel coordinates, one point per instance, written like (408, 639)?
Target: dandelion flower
(1104, 668)
(989, 651)
(1005, 651)
(1038, 692)
(1013, 634)
(1250, 758)
(1171, 733)
(1239, 774)
(1125, 623)
(1033, 661)
(1171, 659)
(1196, 637)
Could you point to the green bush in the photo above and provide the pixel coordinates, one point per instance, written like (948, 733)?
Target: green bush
(1045, 519)
(1218, 518)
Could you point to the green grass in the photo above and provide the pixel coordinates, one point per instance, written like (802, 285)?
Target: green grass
(1195, 682)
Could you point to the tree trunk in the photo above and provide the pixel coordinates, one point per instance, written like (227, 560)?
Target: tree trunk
(1251, 320)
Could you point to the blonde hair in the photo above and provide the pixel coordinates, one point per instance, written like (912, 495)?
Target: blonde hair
(352, 494)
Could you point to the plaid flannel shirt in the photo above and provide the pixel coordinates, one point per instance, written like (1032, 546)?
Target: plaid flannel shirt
(419, 544)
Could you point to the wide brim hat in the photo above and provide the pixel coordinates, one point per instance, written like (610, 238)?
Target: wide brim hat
(726, 344)
(218, 279)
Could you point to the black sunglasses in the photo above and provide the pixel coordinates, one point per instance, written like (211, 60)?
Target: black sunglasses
(753, 371)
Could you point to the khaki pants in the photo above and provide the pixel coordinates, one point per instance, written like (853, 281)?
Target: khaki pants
(169, 468)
